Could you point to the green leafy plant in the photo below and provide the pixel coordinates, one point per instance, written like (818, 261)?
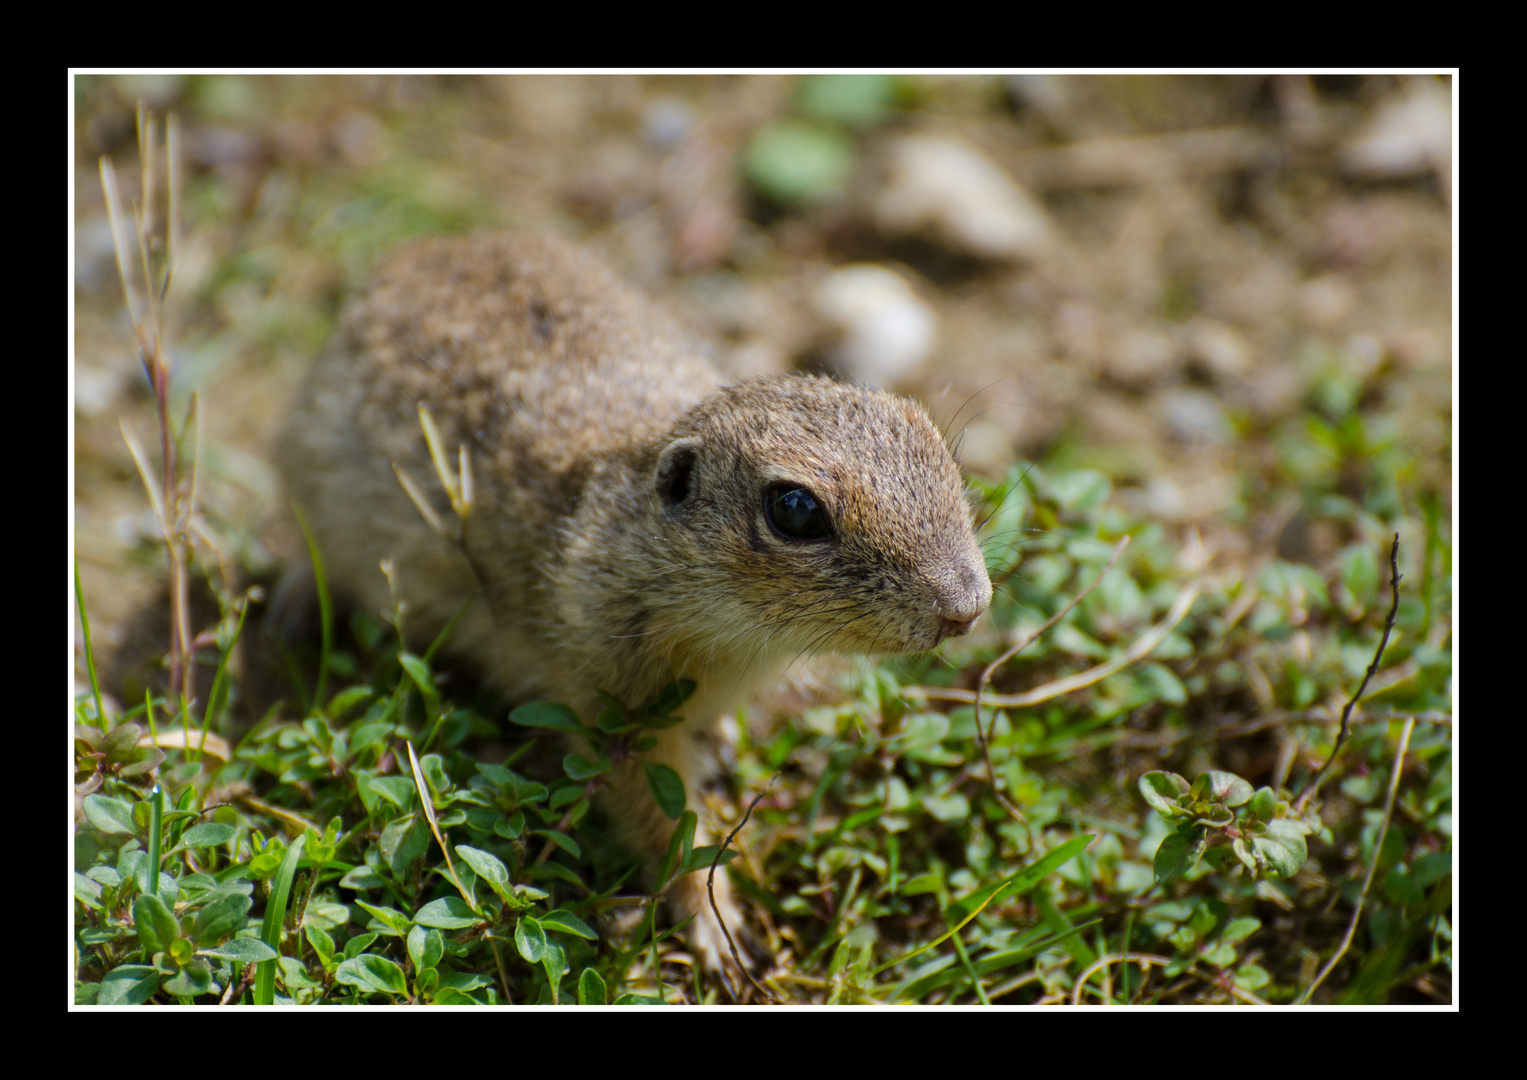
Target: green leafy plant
(1257, 824)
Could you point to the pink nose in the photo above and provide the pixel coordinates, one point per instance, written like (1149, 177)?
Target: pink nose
(949, 628)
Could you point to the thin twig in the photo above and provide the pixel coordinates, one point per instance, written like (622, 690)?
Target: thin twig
(981, 733)
(710, 887)
(1145, 960)
(1346, 712)
(1378, 851)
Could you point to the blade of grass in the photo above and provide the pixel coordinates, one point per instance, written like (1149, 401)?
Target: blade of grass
(978, 901)
(95, 685)
(275, 916)
(325, 611)
(156, 825)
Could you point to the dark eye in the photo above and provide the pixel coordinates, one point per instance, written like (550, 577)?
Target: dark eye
(796, 514)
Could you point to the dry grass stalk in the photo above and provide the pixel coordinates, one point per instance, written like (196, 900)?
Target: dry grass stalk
(146, 283)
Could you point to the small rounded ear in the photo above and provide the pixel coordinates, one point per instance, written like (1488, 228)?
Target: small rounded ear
(676, 466)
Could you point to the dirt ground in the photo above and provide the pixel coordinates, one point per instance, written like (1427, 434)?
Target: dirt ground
(1189, 265)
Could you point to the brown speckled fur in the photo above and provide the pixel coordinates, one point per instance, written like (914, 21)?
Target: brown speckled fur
(573, 395)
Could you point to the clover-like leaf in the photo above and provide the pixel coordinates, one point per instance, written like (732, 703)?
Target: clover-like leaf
(208, 834)
(1214, 815)
(1227, 788)
(568, 923)
(1177, 855)
(1282, 849)
(546, 714)
(530, 939)
(591, 988)
(1162, 790)
(1263, 805)
(447, 913)
(221, 916)
(109, 815)
(488, 866)
(243, 950)
(155, 923)
(193, 979)
(371, 973)
(667, 789)
(581, 768)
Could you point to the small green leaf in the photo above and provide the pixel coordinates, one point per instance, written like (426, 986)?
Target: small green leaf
(398, 790)
(391, 920)
(581, 768)
(1081, 490)
(562, 840)
(1162, 790)
(450, 995)
(546, 714)
(667, 789)
(947, 808)
(128, 984)
(1281, 849)
(425, 947)
(1243, 852)
(373, 974)
(447, 913)
(511, 828)
(1263, 805)
(155, 923)
(530, 939)
(700, 858)
(1251, 977)
(671, 697)
(1214, 815)
(1239, 929)
(242, 950)
(1176, 855)
(554, 960)
(857, 100)
(209, 834)
(403, 840)
(679, 845)
(123, 737)
(109, 815)
(221, 917)
(611, 722)
(1228, 789)
(792, 162)
(565, 921)
(419, 672)
(591, 988)
(487, 866)
(346, 700)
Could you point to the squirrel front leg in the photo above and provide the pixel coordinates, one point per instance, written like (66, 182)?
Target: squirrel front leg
(649, 831)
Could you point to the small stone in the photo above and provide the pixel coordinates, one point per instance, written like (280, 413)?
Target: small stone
(1140, 355)
(1193, 416)
(1218, 347)
(666, 121)
(886, 330)
(951, 190)
(1326, 301)
(1408, 136)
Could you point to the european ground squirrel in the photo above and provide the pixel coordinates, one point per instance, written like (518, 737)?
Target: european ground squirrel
(636, 520)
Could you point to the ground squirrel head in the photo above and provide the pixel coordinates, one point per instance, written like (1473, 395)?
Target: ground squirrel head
(825, 516)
